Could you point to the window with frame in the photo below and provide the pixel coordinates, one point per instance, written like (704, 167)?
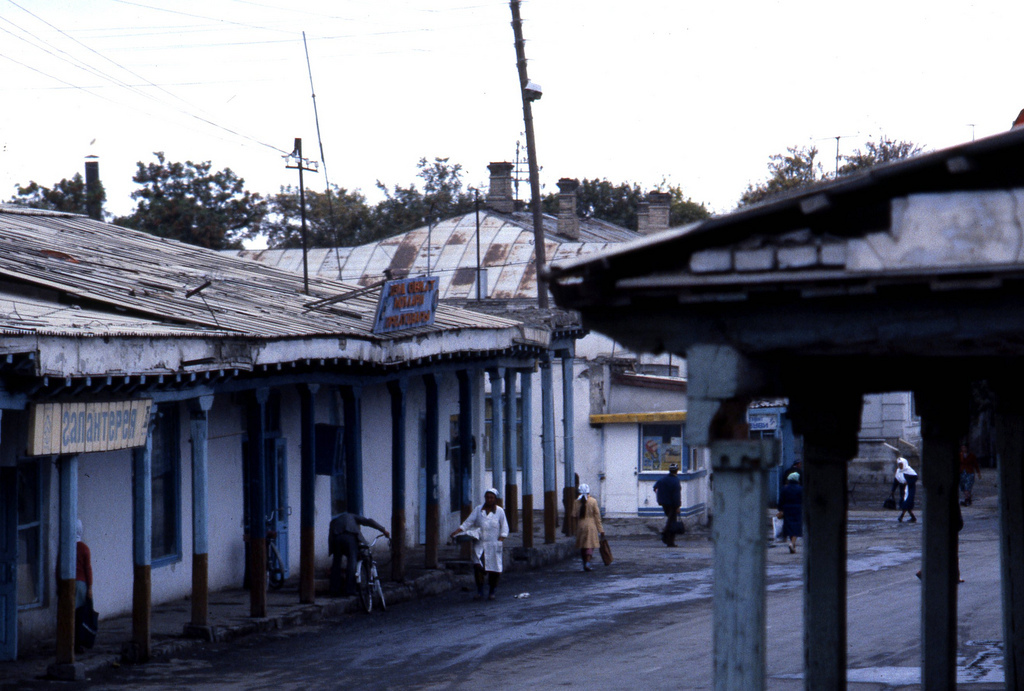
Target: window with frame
(31, 514)
(488, 418)
(166, 485)
(661, 445)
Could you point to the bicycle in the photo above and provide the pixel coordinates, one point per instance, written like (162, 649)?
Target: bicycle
(367, 578)
(275, 565)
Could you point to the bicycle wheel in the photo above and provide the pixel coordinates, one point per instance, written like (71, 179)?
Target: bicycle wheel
(380, 591)
(365, 585)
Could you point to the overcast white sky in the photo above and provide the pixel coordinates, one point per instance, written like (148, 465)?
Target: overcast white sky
(699, 93)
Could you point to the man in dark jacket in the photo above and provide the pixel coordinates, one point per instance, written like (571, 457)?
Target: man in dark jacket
(669, 492)
(344, 540)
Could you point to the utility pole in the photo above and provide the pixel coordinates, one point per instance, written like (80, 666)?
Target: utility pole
(529, 95)
(295, 160)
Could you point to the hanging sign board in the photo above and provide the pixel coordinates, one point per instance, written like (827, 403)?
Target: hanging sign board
(763, 423)
(63, 428)
(406, 303)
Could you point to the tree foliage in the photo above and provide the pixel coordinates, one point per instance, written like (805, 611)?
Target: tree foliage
(192, 203)
(333, 218)
(799, 168)
(69, 196)
(618, 203)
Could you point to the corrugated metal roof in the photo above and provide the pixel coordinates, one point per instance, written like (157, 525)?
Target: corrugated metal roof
(449, 251)
(149, 279)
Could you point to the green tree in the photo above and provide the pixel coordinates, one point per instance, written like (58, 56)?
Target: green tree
(618, 203)
(405, 208)
(885, 150)
(192, 203)
(333, 218)
(69, 196)
(795, 169)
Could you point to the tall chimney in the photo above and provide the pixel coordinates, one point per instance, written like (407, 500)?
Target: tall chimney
(499, 193)
(653, 214)
(568, 221)
(93, 198)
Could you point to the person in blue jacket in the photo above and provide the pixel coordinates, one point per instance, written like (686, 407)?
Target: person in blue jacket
(791, 501)
(669, 493)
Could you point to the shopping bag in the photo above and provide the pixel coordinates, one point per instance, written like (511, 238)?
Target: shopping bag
(606, 552)
(86, 623)
(776, 526)
(890, 503)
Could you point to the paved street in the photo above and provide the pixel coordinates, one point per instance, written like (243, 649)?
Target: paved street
(644, 622)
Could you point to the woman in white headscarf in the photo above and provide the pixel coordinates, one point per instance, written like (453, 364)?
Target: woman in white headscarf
(906, 476)
(489, 519)
(589, 530)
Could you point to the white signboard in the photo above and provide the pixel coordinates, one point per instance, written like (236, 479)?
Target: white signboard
(763, 423)
(62, 428)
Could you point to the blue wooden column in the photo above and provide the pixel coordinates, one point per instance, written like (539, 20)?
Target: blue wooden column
(432, 462)
(257, 463)
(526, 440)
(199, 421)
(568, 446)
(497, 432)
(1010, 447)
(67, 467)
(397, 391)
(547, 413)
(142, 524)
(352, 399)
(307, 510)
(511, 449)
(465, 463)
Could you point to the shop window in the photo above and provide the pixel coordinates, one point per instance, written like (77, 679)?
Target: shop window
(662, 445)
(166, 485)
(31, 512)
(488, 418)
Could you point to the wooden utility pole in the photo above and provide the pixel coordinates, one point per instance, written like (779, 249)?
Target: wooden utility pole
(302, 165)
(531, 153)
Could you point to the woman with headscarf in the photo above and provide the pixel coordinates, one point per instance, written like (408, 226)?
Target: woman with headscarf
(905, 475)
(489, 519)
(589, 530)
(791, 501)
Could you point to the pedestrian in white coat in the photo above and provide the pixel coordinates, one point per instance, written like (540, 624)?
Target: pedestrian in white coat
(489, 519)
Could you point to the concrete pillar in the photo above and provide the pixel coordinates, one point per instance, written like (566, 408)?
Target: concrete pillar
(547, 413)
(526, 386)
(829, 422)
(257, 464)
(511, 443)
(497, 431)
(199, 412)
(398, 463)
(1010, 448)
(944, 420)
(142, 591)
(352, 400)
(307, 509)
(432, 463)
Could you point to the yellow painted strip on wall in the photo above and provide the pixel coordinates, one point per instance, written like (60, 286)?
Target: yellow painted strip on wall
(634, 418)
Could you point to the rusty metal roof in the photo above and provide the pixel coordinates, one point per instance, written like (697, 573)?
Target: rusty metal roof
(449, 251)
(157, 286)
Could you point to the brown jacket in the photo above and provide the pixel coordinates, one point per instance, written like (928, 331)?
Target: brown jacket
(589, 529)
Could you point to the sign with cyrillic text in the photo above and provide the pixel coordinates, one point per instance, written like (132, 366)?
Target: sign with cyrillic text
(64, 428)
(406, 303)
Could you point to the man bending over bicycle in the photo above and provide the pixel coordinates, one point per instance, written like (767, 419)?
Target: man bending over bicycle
(344, 540)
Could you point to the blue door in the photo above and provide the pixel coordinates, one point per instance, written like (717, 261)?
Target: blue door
(8, 564)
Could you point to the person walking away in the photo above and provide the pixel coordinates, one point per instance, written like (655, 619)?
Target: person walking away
(669, 493)
(83, 573)
(489, 519)
(791, 501)
(344, 540)
(969, 472)
(905, 475)
(589, 530)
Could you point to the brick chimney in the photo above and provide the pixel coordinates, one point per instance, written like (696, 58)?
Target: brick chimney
(568, 221)
(93, 202)
(499, 193)
(653, 214)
